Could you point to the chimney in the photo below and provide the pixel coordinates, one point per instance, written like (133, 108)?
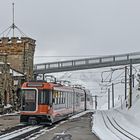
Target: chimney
(14, 40)
(4, 40)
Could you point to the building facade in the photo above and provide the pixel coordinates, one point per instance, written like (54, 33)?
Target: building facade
(16, 66)
(20, 54)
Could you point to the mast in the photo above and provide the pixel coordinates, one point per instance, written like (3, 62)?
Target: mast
(13, 24)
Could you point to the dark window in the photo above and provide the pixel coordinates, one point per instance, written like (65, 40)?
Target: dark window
(28, 99)
(44, 97)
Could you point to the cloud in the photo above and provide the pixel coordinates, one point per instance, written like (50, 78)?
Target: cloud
(87, 27)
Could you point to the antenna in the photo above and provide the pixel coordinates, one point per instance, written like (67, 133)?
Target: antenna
(13, 24)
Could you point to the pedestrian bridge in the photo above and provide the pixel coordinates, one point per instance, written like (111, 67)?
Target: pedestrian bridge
(87, 63)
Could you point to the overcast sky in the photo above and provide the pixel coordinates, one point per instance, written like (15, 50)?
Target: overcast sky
(76, 27)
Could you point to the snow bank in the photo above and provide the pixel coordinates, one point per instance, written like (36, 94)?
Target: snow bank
(128, 118)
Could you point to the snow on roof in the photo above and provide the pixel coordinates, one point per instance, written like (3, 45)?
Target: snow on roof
(2, 63)
(15, 73)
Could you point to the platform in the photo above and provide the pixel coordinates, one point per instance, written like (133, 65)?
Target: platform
(72, 129)
(8, 121)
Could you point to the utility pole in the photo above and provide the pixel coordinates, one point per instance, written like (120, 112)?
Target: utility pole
(125, 82)
(85, 108)
(43, 76)
(108, 98)
(133, 80)
(95, 102)
(112, 95)
(130, 84)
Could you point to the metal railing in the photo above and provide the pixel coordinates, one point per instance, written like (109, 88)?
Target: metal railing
(87, 63)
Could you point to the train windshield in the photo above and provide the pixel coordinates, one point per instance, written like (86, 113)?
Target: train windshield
(28, 101)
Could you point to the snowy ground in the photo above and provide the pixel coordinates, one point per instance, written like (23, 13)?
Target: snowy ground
(110, 124)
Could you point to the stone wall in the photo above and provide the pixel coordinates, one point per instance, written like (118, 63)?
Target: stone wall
(17, 54)
(6, 83)
(20, 54)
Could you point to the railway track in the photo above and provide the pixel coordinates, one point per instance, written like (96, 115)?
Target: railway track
(24, 132)
(117, 129)
(20, 133)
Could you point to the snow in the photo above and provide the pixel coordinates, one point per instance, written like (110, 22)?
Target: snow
(8, 106)
(43, 131)
(15, 73)
(127, 118)
(17, 133)
(79, 114)
(10, 114)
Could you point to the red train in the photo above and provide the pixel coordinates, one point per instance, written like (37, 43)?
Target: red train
(45, 103)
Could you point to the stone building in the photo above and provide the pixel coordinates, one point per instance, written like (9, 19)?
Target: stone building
(16, 66)
(20, 54)
(6, 81)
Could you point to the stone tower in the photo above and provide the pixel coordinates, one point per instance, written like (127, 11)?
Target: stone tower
(20, 54)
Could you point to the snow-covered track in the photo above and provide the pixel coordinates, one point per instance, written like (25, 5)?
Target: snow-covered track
(125, 130)
(112, 122)
(20, 133)
(25, 132)
(108, 127)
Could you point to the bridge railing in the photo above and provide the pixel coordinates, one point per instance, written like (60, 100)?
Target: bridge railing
(87, 61)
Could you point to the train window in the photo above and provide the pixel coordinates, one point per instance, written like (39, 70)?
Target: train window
(68, 99)
(28, 99)
(56, 95)
(59, 97)
(44, 97)
(63, 98)
(77, 99)
(67, 96)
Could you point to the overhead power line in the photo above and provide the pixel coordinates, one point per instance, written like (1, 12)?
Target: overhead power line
(69, 56)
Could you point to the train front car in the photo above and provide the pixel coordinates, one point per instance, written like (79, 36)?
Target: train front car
(36, 103)
(46, 103)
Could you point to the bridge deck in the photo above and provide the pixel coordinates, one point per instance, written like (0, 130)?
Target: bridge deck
(87, 63)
